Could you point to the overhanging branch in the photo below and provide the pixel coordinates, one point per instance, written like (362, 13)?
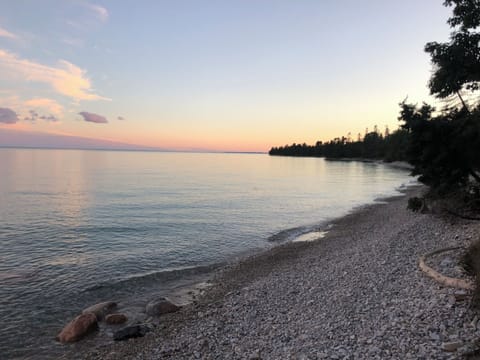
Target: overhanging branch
(475, 175)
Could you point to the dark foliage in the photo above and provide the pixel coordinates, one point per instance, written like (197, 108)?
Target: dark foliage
(396, 146)
(466, 13)
(444, 149)
(456, 64)
(373, 146)
(415, 204)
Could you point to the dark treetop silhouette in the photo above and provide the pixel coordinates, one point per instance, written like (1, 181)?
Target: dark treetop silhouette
(444, 146)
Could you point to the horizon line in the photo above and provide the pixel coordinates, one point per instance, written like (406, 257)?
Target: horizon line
(133, 150)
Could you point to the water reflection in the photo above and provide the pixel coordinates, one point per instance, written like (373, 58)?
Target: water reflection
(77, 219)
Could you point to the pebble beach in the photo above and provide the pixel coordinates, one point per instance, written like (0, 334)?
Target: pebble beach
(356, 293)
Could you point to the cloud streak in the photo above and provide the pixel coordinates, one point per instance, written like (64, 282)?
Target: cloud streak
(66, 79)
(100, 12)
(94, 118)
(8, 116)
(7, 34)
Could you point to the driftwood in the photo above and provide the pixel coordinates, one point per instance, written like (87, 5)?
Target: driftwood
(442, 279)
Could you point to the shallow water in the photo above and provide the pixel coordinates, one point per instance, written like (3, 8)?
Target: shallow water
(77, 227)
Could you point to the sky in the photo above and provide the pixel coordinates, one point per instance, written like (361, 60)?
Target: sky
(220, 75)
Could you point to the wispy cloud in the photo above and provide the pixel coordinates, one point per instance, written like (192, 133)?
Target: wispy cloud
(95, 118)
(120, 118)
(34, 116)
(8, 116)
(49, 104)
(66, 79)
(99, 11)
(7, 34)
(49, 118)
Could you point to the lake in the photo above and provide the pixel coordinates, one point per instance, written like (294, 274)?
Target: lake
(78, 227)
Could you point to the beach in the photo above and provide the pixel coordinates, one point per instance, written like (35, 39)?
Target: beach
(355, 293)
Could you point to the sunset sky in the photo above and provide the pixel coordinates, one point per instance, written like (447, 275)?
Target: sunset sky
(234, 75)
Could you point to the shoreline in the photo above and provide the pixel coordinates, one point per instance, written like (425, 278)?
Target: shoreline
(276, 288)
(404, 165)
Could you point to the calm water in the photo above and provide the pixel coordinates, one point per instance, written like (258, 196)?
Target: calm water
(78, 227)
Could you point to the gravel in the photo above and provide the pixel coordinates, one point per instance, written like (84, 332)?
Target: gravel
(357, 293)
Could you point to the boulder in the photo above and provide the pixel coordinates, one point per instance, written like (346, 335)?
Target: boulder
(114, 319)
(133, 331)
(160, 306)
(78, 328)
(101, 309)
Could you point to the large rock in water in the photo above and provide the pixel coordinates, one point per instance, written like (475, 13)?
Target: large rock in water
(101, 309)
(114, 319)
(133, 331)
(78, 328)
(160, 306)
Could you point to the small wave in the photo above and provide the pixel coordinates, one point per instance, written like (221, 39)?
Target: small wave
(298, 233)
(15, 276)
(156, 277)
(311, 236)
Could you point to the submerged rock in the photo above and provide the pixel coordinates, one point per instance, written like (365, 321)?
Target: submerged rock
(113, 319)
(133, 331)
(101, 309)
(160, 306)
(78, 328)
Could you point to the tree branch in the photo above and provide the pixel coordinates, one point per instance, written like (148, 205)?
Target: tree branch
(475, 175)
(463, 102)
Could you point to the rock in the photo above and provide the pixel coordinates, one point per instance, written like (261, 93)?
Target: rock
(446, 261)
(451, 346)
(203, 344)
(101, 309)
(160, 306)
(460, 296)
(255, 355)
(78, 328)
(474, 322)
(113, 319)
(133, 331)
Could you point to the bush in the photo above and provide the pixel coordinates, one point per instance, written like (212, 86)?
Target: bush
(415, 204)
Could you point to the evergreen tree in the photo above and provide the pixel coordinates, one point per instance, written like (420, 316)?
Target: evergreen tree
(445, 149)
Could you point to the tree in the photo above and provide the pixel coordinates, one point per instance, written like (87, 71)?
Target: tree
(444, 149)
(457, 63)
(440, 147)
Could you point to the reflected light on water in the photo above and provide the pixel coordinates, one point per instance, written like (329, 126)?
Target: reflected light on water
(77, 227)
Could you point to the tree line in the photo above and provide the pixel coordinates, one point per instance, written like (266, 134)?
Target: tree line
(374, 145)
(442, 145)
